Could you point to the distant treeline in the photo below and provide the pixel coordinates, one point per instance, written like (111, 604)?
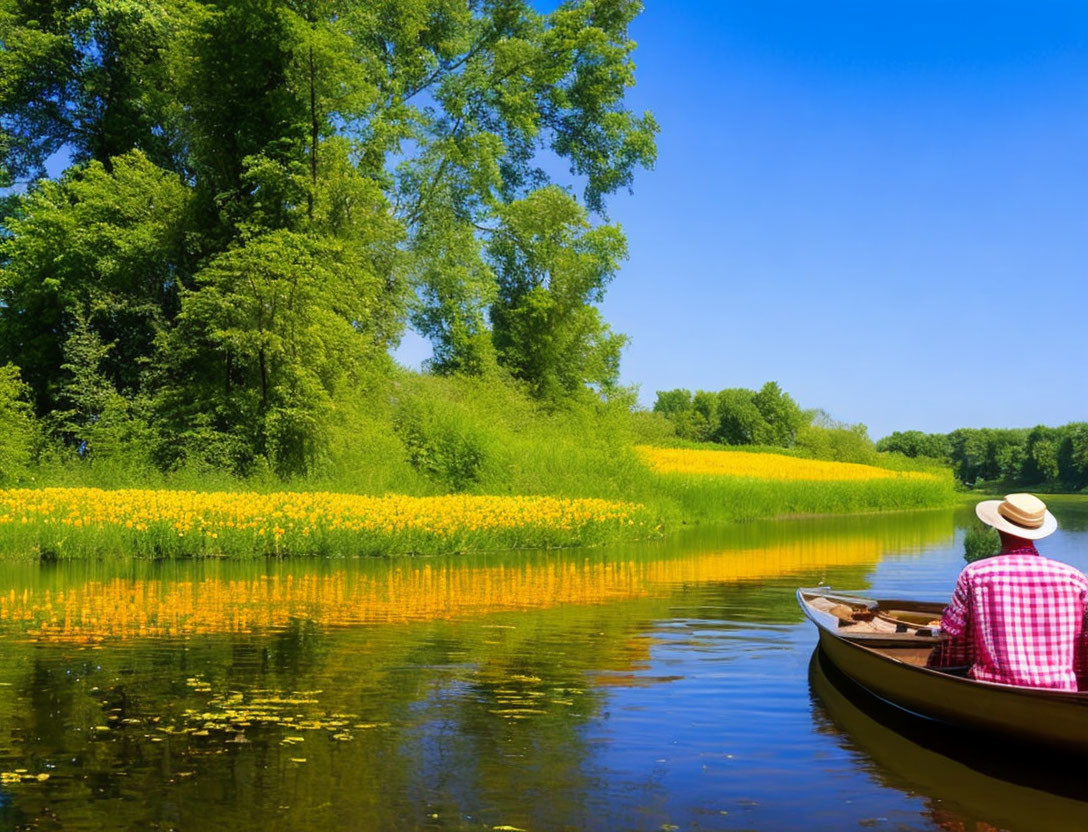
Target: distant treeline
(768, 417)
(1026, 456)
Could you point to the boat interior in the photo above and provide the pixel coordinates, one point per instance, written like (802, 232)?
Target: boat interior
(862, 616)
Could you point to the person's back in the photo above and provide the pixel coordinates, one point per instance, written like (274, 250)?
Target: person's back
(1017, 618)
(1020, 617)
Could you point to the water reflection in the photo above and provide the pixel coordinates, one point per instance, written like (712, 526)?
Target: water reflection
(182, 599)
(965, 775)
(530, 690)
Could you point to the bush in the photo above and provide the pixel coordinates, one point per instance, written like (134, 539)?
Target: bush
(980, 542)
(849, 443)
(442, 443)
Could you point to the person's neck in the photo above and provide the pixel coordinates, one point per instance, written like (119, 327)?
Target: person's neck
(1012, 543)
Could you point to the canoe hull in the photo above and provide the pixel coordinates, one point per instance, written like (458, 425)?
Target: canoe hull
(1043, 717)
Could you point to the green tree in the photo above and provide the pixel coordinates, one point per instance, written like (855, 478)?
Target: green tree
(672, 403)
(740, 421)
(552, 265)
(18, 430)
(257, 188)
(509, 82)
(107, 245)
(455, 287)
(275, 327)
(1076, 455)
(915, 443)
(94, 78)
(827, 438)
(689, 423)
(1041, 455)
(781, 413)
(92, 417)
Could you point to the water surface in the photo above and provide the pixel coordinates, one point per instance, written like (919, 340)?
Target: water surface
(662, 686)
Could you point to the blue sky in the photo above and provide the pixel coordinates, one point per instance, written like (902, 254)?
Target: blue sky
(882, 206)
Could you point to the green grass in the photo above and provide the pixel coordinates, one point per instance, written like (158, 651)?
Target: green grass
(425, 435)
(704, 499)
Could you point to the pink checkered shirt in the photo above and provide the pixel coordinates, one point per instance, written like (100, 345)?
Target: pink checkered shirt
(1018, 619)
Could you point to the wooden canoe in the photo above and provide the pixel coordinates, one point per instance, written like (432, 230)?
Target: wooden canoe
(1011, 786)
(892, 667)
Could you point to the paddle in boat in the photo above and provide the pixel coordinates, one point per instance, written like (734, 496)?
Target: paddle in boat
(883, 646)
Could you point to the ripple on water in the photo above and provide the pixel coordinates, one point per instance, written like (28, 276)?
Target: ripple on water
(652, 686)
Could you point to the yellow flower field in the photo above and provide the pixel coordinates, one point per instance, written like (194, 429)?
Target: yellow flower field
(247, 523)
(764, 466)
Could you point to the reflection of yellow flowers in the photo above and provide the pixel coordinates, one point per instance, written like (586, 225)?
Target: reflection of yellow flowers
(301, 522)
(408, 591)
(763, 466)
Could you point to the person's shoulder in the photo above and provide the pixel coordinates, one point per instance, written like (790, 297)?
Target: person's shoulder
(1060, 567)
(1020, 563)
(1028, 565)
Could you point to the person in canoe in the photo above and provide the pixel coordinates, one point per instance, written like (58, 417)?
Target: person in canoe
(1017, 618)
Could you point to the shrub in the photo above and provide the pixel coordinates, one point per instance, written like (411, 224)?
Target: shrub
(980, 542)
(441, 443)
(848, 443)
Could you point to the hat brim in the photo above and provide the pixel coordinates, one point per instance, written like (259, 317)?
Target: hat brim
(987, 512)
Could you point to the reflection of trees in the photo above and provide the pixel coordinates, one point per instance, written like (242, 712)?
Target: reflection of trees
(245, 599)
(475, 675)
(1072, 512)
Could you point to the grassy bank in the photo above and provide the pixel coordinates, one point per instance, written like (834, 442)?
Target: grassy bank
(704, 499)
(709, 484)
(673, 487)
(429, 465)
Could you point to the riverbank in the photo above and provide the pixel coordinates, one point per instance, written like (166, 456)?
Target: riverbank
(451, 449)
(677, 487)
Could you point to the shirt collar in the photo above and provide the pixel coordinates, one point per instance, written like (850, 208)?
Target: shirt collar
(1022, 549)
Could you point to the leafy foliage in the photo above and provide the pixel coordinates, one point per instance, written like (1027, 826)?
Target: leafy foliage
(442, 444)
(553, 266)
(17, 428)
(735, 416)
(102, 245)
(261, 195)
(980, 542)
(1021, 456)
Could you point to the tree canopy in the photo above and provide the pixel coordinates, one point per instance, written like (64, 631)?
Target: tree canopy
(261, 196)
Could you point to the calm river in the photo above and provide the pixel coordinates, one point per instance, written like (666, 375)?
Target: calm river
(668, 686)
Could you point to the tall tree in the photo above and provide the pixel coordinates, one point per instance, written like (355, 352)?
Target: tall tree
(481, 102)
(258, 186)
(302, 303)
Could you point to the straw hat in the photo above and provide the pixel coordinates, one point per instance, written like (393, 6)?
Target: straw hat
(1022, 515)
